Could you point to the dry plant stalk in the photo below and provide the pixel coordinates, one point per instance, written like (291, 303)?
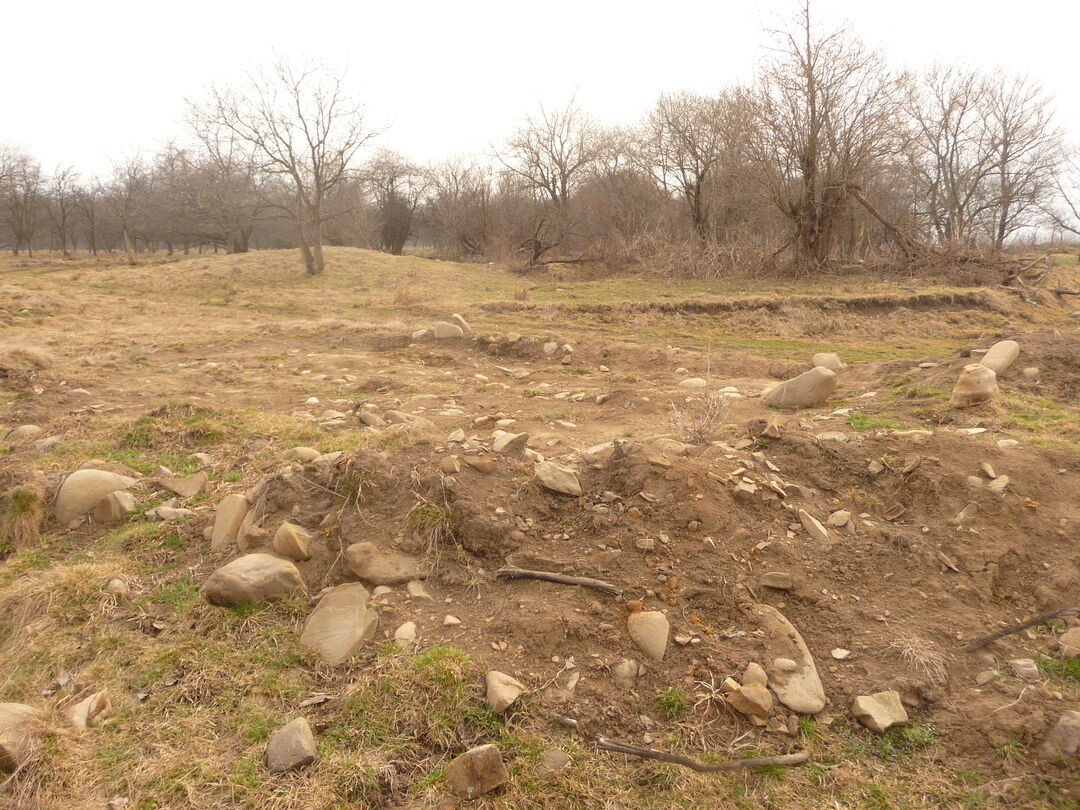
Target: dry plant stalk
(919, 656)
(701, 420)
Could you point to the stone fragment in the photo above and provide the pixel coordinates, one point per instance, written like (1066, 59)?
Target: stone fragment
(693, 382)
(379, 567)
(291, 747)
(813, 526)
(252, 578)
(227, 521)
(552, 761)
(450, 465)
(1001, 356)
(1063, 740)
(340, 624)
(21, 433)
(114, 507)
(805, 391)
(792, 673)
(417, 590)
(502, 690)
(1025, 668)
(975, 385)
(476, 772)
(89, 712)
(303, 454)
(292, 541)
(755, 673)
(510, 444)
(776, 579)
(752, 699)
(880, 711)
(83, 490)
(649, 629)
(557, 478)
(405, 635)
(187, 487)
(1069, 642)
(461, 324)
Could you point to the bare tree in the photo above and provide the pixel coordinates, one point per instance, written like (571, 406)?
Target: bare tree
(63, 186)
(300, 124)
(553, 152)
(458, 203)
(127, 197)
(827, 110)
(20, 198)
(397, 188)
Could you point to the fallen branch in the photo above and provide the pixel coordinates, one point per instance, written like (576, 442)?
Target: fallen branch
(1016, 628)
(607, 744)
(585, 582)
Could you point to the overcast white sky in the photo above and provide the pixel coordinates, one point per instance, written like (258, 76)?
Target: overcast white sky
(85, 82)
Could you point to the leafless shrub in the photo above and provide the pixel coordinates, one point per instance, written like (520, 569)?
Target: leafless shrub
(701, 420)
(407, 296)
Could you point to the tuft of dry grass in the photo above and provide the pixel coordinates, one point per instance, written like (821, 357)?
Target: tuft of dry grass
(701, 420)
(22, 516)
(407, 296)
(920, 656)
(32, 356)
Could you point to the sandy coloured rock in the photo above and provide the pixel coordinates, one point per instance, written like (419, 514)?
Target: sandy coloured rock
(341, 624)
(1001, 356)
(461, 324)
(1069, 643)
(552, 761)
(187, 487)
(829, 360)
(557, 478)
(755, 673)
(114, 507)
(510, 444)
(478, 771)
(693, 382)
(252, 578)
(779, 580)
(83, 490)
(649, 629)
(405, 635)
(291, 747)
(751, 698)
(443, 330)
(975, 385)
(805, 391)
(813, 526)
(379, 567)
(19, 736)
(1063, 740)
(502, 690)
(227, 521)
(793, 677)
(21, 433)
(90, 711)
(879, 711)
(292, 541)
(303, 454)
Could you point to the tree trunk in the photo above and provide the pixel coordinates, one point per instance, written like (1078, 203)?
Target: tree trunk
(128, 248)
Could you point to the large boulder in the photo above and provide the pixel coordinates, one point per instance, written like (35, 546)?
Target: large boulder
(252, 578)
(476, 772)
(291, 747)
(805, 391)
(649, 629)
(83, 490)
(341, 624)
(557, 478)
(227, 521)
(19, 737)
(1000, 356)
(379, 567)
(975, 385)
(790, 667)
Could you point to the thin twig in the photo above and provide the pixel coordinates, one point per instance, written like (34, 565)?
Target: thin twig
(546, 576)
(1016, 628)
(607, 744)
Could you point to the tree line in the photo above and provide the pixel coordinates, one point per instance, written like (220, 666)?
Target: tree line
(829, 155)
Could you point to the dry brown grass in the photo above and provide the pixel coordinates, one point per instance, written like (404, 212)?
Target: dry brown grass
(407, 296)
(701, 420)
(920, 656)
(32, 356)
(22, 516)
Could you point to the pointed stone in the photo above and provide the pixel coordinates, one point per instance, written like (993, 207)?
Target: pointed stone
(114, 507)
(292, 541)
(792, 673)
(557, 479)
(880, 711)
(227, 521)
(502, 690)
(476, 772)
(252, 578)
(187, 487)
(650, 630)
(813, 526)
(291, 747)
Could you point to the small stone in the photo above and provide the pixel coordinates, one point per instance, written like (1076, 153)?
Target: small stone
(693, 382)
(805, 391)
(481, 464)
(461, 324)
(502, 690)
(880, 711)
(1069, 642)
(552, 761)
(510, 444)
(840, 654)
(839, 518)
(975, 385)
(450, 465)
(456, 436)
(649, 629)
(416, 590)
(1063, 740)
(776, 579)
(405, 635)
(227, 521)
(187, 487)
(19, 735)
(379, 567)
(1025, 668)
(443, 331)
(291, 747)
(984, 677)
(557, 479)
(303, 454)
(645, 544)
(625, 671)
(755, 673)
(292, 541)
(450, 621)
(476, 772)
(828, 360)
(89, 712)
(752, 699)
